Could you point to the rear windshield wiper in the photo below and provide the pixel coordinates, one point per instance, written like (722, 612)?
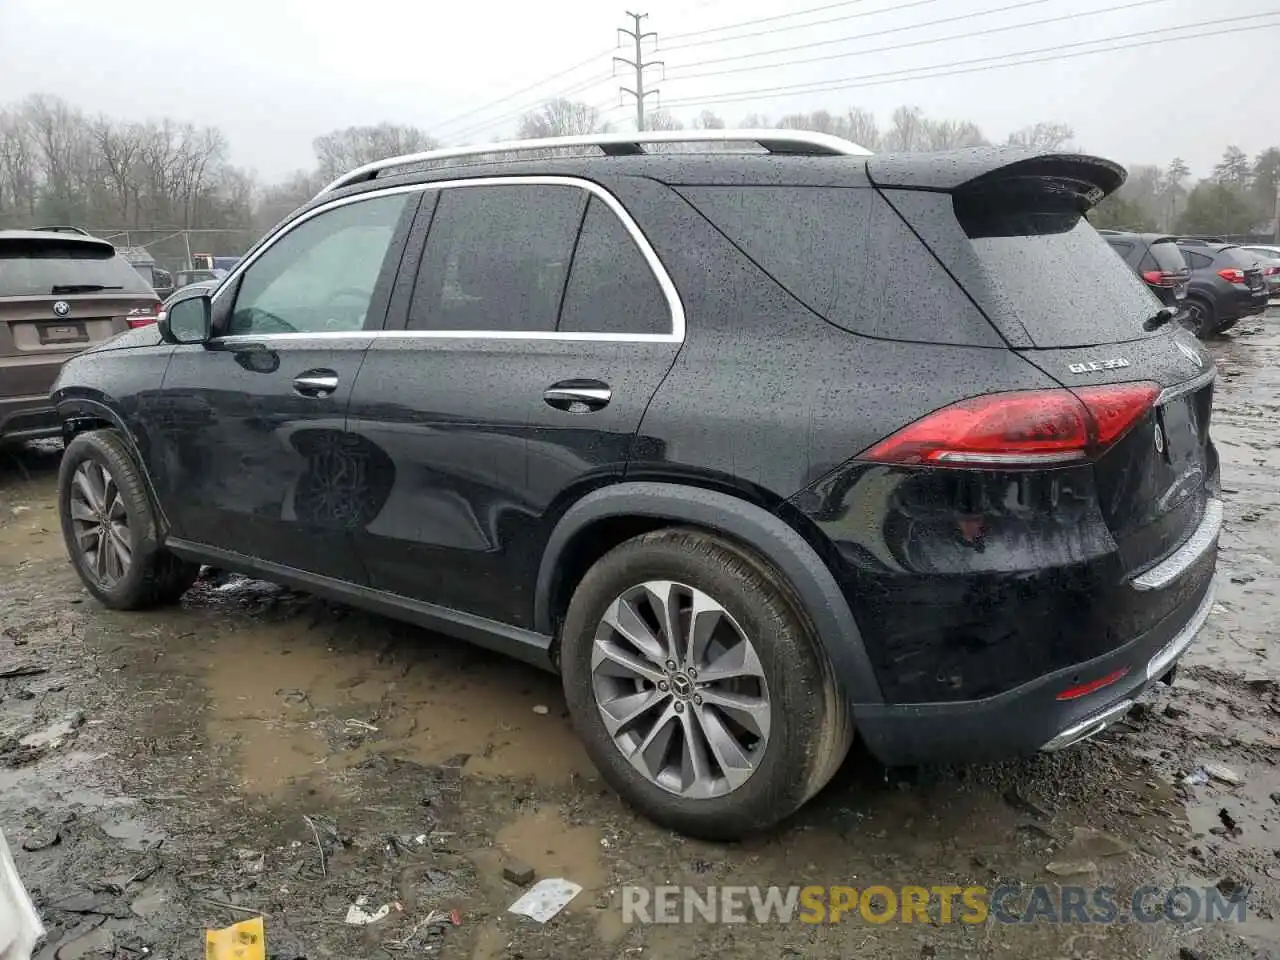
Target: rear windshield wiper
(81, 288)
(1160, 319)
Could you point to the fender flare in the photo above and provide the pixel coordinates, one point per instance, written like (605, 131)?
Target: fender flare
(753, 526)
(76, 407)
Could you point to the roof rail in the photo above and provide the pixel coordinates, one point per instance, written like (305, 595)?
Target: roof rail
(794, 142)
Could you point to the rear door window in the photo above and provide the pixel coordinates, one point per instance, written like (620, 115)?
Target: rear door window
(1034, 265)
(61, 267)
(1196, 261)
(845, 254)
(497, 258)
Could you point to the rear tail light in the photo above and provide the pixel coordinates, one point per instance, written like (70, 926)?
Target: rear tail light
(1271, 271)
(143, 316)
(1025, 428)
(1161, 278)
(1231, 275)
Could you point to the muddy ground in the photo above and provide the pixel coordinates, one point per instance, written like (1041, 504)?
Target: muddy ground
(166, 772)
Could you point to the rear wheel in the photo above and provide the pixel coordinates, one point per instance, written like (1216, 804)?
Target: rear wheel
(698, 688)
(1200, 317)
(110, 527)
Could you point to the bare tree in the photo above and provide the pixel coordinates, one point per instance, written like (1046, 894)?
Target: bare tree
(908, 132)
(707, 120)
(662, 120)
(860, 126)
(1042, 136)
(561, 118)
(952, 134)
(341, 150)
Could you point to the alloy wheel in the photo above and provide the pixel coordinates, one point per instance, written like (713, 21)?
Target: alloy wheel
(680, 689)
(100, 523)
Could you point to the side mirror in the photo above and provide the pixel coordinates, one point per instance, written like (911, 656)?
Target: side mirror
(188, 320)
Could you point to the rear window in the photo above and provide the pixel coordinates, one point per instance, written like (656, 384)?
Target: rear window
(1168, 256)
(42, 268)
(1245, 259)
(1037, 268)
(846, 255)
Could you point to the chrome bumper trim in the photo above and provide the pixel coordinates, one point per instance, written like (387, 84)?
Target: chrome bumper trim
(1087, 727)
(1173, 566)
(1159, 664)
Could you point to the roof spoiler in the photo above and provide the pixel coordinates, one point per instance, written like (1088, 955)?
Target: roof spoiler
(984, 170)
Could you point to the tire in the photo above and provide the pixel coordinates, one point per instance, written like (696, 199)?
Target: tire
(137, 572)
(1200, 317)
(777, 767)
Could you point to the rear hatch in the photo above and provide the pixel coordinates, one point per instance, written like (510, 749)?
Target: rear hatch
(1014, 235)
(1254, 277)
(58, 295)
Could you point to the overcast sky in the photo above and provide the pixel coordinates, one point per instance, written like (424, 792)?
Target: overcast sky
(275, 73)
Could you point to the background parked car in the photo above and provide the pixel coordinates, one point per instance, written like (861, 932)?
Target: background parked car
(1157, 259)
(1227, 284)
(60, 291)
(1270, 258)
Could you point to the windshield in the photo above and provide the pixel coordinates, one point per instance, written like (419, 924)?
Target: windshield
(41, 269)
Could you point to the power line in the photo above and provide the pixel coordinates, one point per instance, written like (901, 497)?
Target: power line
(523, 90)
(799, 26)
(639, 65)
(778, 16)
(513, 114)
(895, 76)
(988, 31)
(1020, 4)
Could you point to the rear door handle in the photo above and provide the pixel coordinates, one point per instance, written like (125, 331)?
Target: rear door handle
(578, 396)
(316, 383)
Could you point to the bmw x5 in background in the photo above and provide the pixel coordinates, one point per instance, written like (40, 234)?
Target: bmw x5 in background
(760, 445)
(61, 290)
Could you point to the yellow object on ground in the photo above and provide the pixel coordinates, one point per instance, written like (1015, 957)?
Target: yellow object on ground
(240, 941)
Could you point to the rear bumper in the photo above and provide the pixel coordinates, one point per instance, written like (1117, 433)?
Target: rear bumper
(28, 418)
(1030, 718)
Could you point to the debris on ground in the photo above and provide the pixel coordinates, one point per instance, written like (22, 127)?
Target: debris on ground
(358, 916)
(540, 710)
(1071, 868)
(246, 940)
(517, 872)
(1221, 773)
(545, 899)
(1196, 778)
(20, 925)
(22, 670)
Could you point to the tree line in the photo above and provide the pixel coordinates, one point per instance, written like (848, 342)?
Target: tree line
(59, 165)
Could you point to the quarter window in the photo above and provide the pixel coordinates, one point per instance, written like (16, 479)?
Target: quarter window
(612, 288)
(320, 276)
(497, 258)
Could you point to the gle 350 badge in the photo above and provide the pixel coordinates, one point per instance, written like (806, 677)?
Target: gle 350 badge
(1098, 365)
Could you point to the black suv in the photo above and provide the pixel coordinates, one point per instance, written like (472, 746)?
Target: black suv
(757, 446)
(1227, 285)
(1158, 261)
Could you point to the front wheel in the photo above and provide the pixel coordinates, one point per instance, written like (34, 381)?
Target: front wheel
(110, 527)
(1200, 318)
(698, 688)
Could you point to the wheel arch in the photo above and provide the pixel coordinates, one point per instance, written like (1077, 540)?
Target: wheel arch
(81, 413)
(619, 511)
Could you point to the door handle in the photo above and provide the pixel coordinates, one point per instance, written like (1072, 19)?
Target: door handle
(578, 396)
(316, 383)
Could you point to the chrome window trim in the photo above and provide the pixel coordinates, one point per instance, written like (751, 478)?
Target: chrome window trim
(668, 287)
